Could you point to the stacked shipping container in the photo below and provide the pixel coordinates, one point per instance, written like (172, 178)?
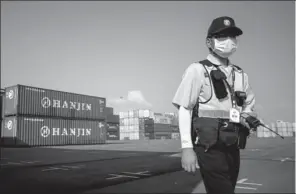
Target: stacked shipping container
(165, 126)
(112, 126)
(132, 124)
(284, 129)
(37, 116)
(147, 125)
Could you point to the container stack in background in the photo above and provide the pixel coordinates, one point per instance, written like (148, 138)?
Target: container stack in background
(2, 93)
(147, 124)
(175, 127)
(132, 124)
(42, 117)
(284, 129)
(112, 124)
(164, 128)
(144, 124)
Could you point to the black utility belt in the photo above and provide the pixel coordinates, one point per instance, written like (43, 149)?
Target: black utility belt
(212, 130)
(226, 125)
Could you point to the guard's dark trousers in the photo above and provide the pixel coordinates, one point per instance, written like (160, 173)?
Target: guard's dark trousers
(219, 167)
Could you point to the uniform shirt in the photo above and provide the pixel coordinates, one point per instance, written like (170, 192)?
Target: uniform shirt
(196, 87)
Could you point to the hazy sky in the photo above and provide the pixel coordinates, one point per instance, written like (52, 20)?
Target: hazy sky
(139, 50)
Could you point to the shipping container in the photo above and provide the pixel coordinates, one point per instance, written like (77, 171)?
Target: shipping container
(273, 127)
(123, 128)
(266, 132)
(162, 119)
(123, 115)
(175, 128)
(113, 135)
(125, 121)
(27, 100)
(132, 136)
(1, 106)
(171, 114)
(41, 131)
(112, 119)
(162, 135)
(136, 113)
(121, 122)
(108, 111)
(148, 121)
(290, 129)
(158, 127)
(175, 122)
(141, 113)
(146, 114)
(112, 127)
(149, 135)
(1, 112)
(260, 132)
(284, 129)
(130, 113)
(175, 135)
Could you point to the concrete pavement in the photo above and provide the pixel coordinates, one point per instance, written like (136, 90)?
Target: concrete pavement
(267, 166)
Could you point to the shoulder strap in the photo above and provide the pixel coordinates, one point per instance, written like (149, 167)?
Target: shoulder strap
(238, 68)
(206, 63)
(209, 64)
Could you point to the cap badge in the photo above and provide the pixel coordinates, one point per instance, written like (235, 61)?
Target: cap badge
(226, 22)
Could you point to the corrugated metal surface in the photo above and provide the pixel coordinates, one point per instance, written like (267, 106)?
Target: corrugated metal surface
(136, 113)
(162, 135)
(149, 128)
(158, 127)
(175, 122)
(175, 128)
(25, 100)
(1, 106)
(112, 119)
(162, 119)
(130, 113)
(121, 122)
(175, 135)
(149, 135)
(38, 131)
(149, 121)
(273, 127)
(112, 127)
(108, 111)
(113, 135)
(132, 136)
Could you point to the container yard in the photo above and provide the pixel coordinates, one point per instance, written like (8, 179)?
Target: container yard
(133, 125)
(27, 100)
(147, 142)
(284, 129)
(108, 111)
(43, 117)
(40, 131)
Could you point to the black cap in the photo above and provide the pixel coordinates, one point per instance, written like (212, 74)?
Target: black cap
(225, 25)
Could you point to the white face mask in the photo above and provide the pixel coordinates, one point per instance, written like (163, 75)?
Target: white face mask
(225, 47)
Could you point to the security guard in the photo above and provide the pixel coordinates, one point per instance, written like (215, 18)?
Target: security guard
(213, 99)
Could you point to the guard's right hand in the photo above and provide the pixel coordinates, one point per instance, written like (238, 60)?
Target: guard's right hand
(189, 160)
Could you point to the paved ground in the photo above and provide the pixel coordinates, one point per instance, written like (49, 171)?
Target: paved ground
(268, 166)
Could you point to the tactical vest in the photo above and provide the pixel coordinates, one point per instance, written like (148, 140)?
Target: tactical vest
(238, 75)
